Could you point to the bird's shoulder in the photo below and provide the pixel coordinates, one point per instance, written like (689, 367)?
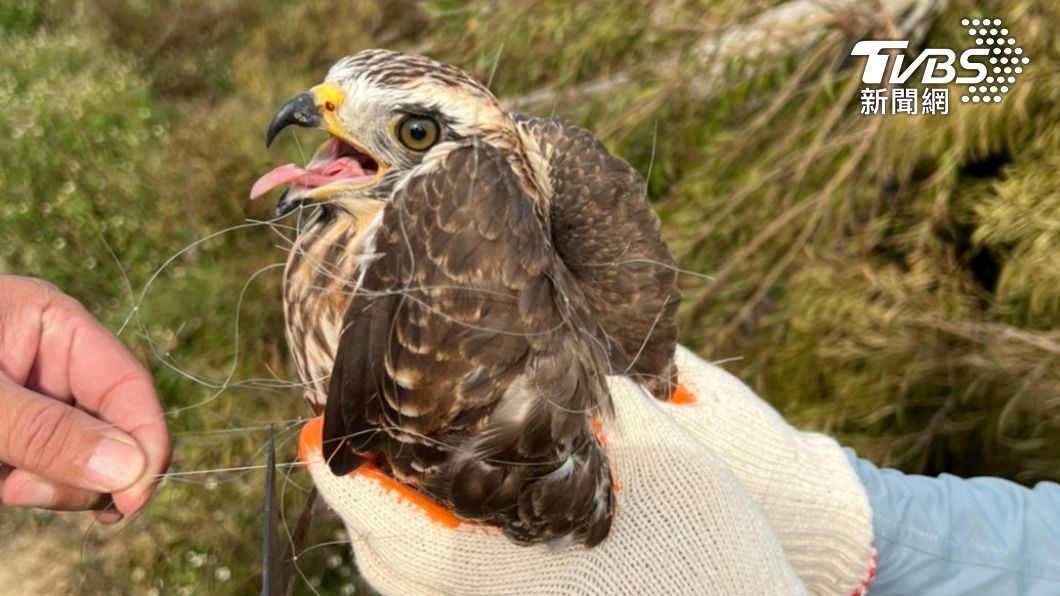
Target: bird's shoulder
(461, 277)
(471, 219)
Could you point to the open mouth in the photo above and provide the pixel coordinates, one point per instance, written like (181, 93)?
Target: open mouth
(337, 166)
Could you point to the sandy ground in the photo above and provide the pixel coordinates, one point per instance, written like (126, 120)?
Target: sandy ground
(35, 562)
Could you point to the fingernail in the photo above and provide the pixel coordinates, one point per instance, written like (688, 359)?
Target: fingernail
(115, 465)
(34, 493)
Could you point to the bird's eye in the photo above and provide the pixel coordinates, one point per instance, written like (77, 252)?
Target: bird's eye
(418, 133)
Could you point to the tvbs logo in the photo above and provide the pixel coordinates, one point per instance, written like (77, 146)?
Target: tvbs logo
(936, 64)
(987, 71)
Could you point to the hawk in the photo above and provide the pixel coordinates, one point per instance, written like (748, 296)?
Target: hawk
(465, 281)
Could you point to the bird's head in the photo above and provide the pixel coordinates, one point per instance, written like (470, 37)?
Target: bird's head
(386, 113)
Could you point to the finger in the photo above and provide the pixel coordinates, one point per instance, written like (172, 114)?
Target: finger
(109, 516)
(106, 511)
(63, 444)
(78, 358)
(25, 489)
(107, 380)
(22, 301)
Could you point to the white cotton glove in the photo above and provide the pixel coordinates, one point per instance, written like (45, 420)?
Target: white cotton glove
(683, 525)
(801, 481)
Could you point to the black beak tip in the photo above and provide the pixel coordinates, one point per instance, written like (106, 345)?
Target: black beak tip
(300, 110)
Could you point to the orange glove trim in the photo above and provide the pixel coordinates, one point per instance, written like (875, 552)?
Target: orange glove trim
(682, 396)
(310, 446)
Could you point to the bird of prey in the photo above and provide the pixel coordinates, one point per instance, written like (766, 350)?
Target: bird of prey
(464, 283)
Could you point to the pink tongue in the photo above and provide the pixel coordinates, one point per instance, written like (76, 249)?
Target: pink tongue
(344, 167)
(277, 177)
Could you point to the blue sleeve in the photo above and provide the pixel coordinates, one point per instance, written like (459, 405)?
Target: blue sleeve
(948, 536)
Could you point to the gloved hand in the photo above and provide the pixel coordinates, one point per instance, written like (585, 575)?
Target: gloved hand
(802, 481)
(683, 526)
(687, 520)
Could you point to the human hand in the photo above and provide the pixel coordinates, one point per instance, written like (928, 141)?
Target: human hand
(683, 525)
(79, 417)
(802, 481)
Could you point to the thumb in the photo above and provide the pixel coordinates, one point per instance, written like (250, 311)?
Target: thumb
(63, 444)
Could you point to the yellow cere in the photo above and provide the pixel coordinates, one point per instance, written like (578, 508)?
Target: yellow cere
(329, 97)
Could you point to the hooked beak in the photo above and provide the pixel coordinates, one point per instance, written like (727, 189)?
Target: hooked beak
(300, 110)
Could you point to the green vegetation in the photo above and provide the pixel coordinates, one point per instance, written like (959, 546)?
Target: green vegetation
(894, 281)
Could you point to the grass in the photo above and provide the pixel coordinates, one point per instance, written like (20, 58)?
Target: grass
(892, 281)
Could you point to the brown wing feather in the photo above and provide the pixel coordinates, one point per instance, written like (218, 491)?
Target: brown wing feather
(467, 361)
(608, 237)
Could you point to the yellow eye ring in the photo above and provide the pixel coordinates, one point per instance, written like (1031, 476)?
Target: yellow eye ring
(418, 133)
